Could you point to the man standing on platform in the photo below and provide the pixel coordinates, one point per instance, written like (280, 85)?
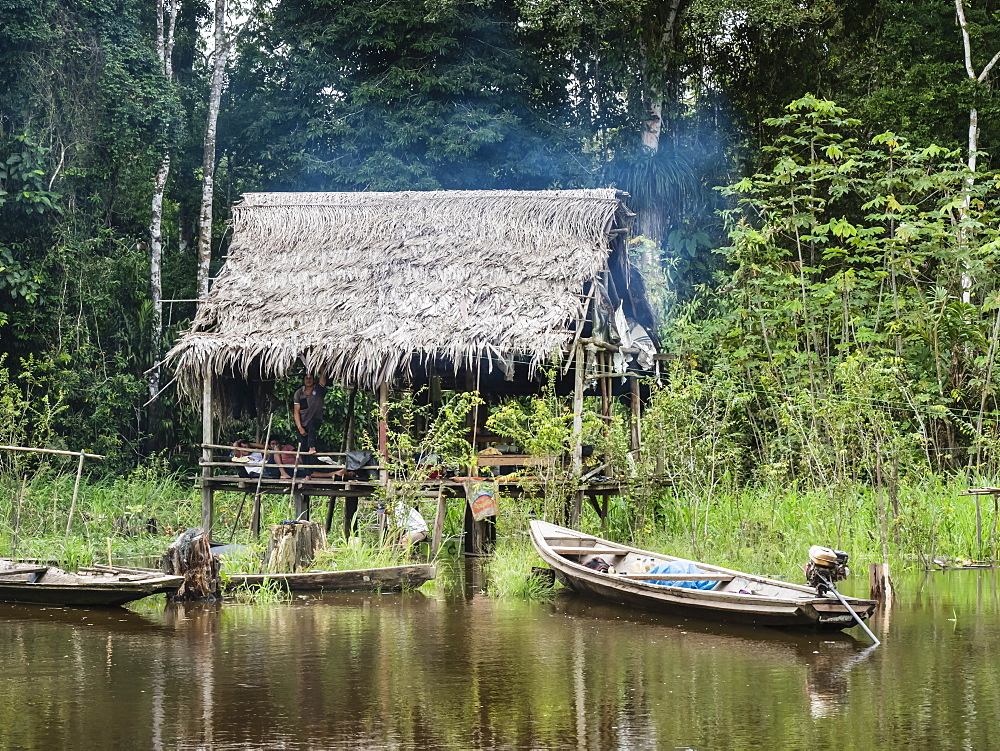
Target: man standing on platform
(309, 409)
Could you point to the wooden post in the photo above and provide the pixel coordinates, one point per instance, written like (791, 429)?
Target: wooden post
(383, 430)
(349, 430)
(350, 515)
(472, 543)
(255, 516)
(578, 434)
(438, 533)
(331, 504)
(207, 438)
(300, 505)
(636, 415)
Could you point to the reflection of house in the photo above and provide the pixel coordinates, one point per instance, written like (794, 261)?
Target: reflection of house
(384, 289)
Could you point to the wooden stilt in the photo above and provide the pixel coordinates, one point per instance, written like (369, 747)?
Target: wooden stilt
(383, 430)
(578, 413)
(349, 430)
(255, 517)
(301, 505)
(350, 516)
(207, 439)
(577, 468)
(438, 532)
(472, 546)
(636, 415)
(331, 504)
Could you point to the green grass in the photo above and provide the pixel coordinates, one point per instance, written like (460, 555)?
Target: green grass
(763, 530)
(269, 591)
(509, 571)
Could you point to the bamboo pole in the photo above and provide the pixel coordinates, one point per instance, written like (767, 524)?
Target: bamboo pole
(255, 513)
(52, 451)
(76, 491)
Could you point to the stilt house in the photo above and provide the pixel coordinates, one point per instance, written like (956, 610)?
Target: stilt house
(481, 288)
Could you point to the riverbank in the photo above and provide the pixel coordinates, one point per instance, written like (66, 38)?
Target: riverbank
(765, 529)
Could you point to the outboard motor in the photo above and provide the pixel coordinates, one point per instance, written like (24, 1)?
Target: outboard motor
(825, 567)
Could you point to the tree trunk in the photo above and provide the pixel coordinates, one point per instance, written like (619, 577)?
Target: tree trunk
(657, 62)
(979, 78)
(164, 50)
(220, 58)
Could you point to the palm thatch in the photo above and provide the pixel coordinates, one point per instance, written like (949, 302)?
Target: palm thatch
(359, 284)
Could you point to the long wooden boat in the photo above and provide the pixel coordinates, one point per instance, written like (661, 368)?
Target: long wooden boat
(382, 579)
(732, 596)
(48, 585)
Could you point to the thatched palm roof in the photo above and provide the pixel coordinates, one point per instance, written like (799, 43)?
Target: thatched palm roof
(357, 284)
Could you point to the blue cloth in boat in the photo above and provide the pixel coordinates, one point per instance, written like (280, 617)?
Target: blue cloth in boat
(679, 567)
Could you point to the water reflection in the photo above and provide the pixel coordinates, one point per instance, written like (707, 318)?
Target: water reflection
(450, 668)
(827, 658)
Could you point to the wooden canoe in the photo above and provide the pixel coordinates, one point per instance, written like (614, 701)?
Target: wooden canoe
(382, 579)
(736, 597)
(48, 585)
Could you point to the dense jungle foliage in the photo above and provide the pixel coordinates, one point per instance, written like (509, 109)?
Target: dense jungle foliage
(819, 231)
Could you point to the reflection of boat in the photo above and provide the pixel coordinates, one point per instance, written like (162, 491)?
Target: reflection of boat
(828, 658)
(667, 584)
(93, 619)
(388, 578)
(49, 585)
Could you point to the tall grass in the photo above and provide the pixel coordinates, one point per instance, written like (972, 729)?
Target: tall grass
(770, 529)
(509, 571)
(765, 529)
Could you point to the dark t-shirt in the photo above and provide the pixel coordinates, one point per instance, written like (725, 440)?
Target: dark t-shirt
(310, 403)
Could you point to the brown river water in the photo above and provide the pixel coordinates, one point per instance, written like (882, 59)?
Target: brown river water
(448, 667)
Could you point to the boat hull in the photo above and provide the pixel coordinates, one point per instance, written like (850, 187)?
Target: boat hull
(106, 594)
(381, 579)
(786, 605)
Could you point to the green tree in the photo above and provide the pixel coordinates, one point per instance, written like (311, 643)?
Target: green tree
(397, 96)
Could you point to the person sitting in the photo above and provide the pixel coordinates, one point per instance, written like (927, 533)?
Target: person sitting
(252, 461)
(282, 460)
(411, 524)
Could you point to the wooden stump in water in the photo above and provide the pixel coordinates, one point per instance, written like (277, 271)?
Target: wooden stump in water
(879, 581)
(190, 556)
(292, 547)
